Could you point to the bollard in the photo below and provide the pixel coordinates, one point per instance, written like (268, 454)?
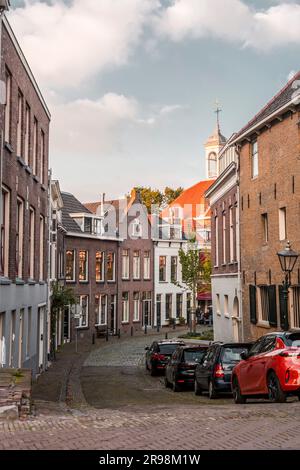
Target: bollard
(166, 336)
(106, 334)
(157, 327)
(93, 338)
(174, 325)
(145, 328)
(119, 333)
(131, 331)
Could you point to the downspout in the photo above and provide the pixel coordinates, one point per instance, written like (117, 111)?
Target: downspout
(238, 235)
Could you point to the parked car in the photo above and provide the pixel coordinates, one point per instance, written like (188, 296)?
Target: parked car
(213, 374)
(271, 369)
(158, 353)
(180, 370)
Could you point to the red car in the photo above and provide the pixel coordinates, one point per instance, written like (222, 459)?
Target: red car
(270, 369)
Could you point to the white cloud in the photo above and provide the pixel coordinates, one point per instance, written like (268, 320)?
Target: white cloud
(231, 20)
(69, 43)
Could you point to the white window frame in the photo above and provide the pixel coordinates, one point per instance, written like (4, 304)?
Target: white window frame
(125, 264)
(73, 270)
(99, 310)
(136, 306)
(265, 222)
(114, 266)
(20, 124)
(34, 146)
(137, 229)
(125, 308)
(86, 278)
(27, 134)
(231, 236)
(165, 268)
(42, 157)
(102, 272)
(282, 224)
(136, 265)
(20, 241)
(224, 235)
(81, 325)
(42, 247)
(147, 265)
(254, 159)
(7, 132)
(5, 230)
(31, 242)
(217, 241)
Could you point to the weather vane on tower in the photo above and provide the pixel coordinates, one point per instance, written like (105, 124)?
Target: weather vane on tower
(218, 110)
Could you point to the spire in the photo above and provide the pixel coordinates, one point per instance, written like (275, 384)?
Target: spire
(218, 110)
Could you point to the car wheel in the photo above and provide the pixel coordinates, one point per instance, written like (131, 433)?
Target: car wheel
(276, 394)
(239, 399)
(211, 391)
(167, 383)
(197, 389)
(175, 387)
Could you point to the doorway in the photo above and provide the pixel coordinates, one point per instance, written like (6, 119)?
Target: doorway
(41, 318)
(113, 314)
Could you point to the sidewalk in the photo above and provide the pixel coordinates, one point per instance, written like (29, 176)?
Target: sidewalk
(58, 389)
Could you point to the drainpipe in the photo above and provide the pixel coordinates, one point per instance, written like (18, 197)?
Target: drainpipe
(238, 233)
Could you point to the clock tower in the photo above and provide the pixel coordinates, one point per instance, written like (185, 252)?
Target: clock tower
(213, 145)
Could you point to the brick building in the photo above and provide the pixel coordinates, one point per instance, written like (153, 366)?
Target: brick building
(226, 289)
(269, 147)
(24, 126)
(134, 260)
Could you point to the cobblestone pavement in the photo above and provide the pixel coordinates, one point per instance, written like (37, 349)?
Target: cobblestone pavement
(122, 407)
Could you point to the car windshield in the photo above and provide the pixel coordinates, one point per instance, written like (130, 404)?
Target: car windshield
(193, 355)
(232, 354)
(167, 349)
(293, 340)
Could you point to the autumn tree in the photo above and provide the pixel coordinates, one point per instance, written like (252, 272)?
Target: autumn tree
(156, 197)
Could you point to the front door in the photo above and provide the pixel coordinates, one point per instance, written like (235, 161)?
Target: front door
(21, 335)
(147, 309)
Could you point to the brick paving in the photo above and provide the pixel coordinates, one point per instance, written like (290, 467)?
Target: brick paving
(180, 421)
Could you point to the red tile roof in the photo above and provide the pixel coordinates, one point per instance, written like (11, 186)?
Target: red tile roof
(193, 195)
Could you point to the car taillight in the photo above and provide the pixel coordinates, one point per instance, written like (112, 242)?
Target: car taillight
(219, 372)
(159, 357)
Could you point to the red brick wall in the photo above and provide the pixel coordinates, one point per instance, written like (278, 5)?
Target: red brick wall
(19, 181)
(279, 154)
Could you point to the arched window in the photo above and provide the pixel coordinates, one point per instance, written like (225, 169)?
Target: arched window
(212, 165)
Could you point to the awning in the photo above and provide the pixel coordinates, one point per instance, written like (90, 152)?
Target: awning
(204, 296)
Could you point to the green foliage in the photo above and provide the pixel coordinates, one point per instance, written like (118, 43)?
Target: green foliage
(151, 196)
(61, 297)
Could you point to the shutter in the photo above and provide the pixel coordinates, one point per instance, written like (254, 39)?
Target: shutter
(252, 297)
(284, 319)
(272, 306)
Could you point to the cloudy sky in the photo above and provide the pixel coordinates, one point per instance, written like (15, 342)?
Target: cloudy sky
(131, 84)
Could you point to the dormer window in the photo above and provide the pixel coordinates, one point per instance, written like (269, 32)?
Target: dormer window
(89, 223)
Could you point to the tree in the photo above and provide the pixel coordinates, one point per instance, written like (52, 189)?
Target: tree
(61, 298)
(196, 273)
(151, 196)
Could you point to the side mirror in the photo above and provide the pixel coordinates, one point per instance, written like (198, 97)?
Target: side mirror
(244, 355)
(147, 348)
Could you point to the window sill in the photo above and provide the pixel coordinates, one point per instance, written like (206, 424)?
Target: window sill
(36, 178)
(100, 324)
(83, 282)
(41, 282)
(43, 187)
(219, 314)
(8, 147)
(19, 282)
(21, 162)
(237, 319)
(136, 321)
(111, 282)
(125, 278)
(31, 282)
(4, 281)
(100, 282)
(263, 324)
(82, 327)
(28, 170)
(70, 281)
(125, 323)
(226, 315)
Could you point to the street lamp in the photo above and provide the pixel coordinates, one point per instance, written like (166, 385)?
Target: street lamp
(287, 259)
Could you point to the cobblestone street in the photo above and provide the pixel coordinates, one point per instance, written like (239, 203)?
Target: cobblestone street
(119, 406)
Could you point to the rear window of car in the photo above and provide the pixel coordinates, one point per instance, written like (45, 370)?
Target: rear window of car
(167, 348)
(294, 340)
(232, 354)
(193, 355)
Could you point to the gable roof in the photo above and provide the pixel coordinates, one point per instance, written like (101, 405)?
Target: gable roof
(71, 206)
(193, 195)
(282, 98)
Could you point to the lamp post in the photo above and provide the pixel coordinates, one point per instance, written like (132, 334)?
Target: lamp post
(287, 259)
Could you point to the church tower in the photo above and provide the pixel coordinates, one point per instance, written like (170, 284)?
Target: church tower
(213, 145)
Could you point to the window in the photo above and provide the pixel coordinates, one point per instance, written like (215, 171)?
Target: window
(178, 305)
(125, 264)
(224, 239)
(101, 309)
(217, 241)
(2, 340)
(231, 236)
(174, 263)
(8, 107)
(125, 307)
(136, 306)
(295, 307)
(42, 159)
(147, 266)
(226, 305)
(27, 134)
(136, 228)
(265, 227)
(42, 232)
(162, 268)
(158, 309)
(136, 265)
(218, 304)
(147, 313)
(110, 266)
(267, 304)
(83, 266)
(20, 237)
(20, 125)
(70, 266)
(100, 266)
(28, 336)
(31, 242)
(254, 159)
(168, 306)
(212, 165)
(4, 231)
(282, 224)
(84, 314)
(34, 147)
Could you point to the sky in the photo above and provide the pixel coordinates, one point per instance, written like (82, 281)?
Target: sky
(132, 84)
